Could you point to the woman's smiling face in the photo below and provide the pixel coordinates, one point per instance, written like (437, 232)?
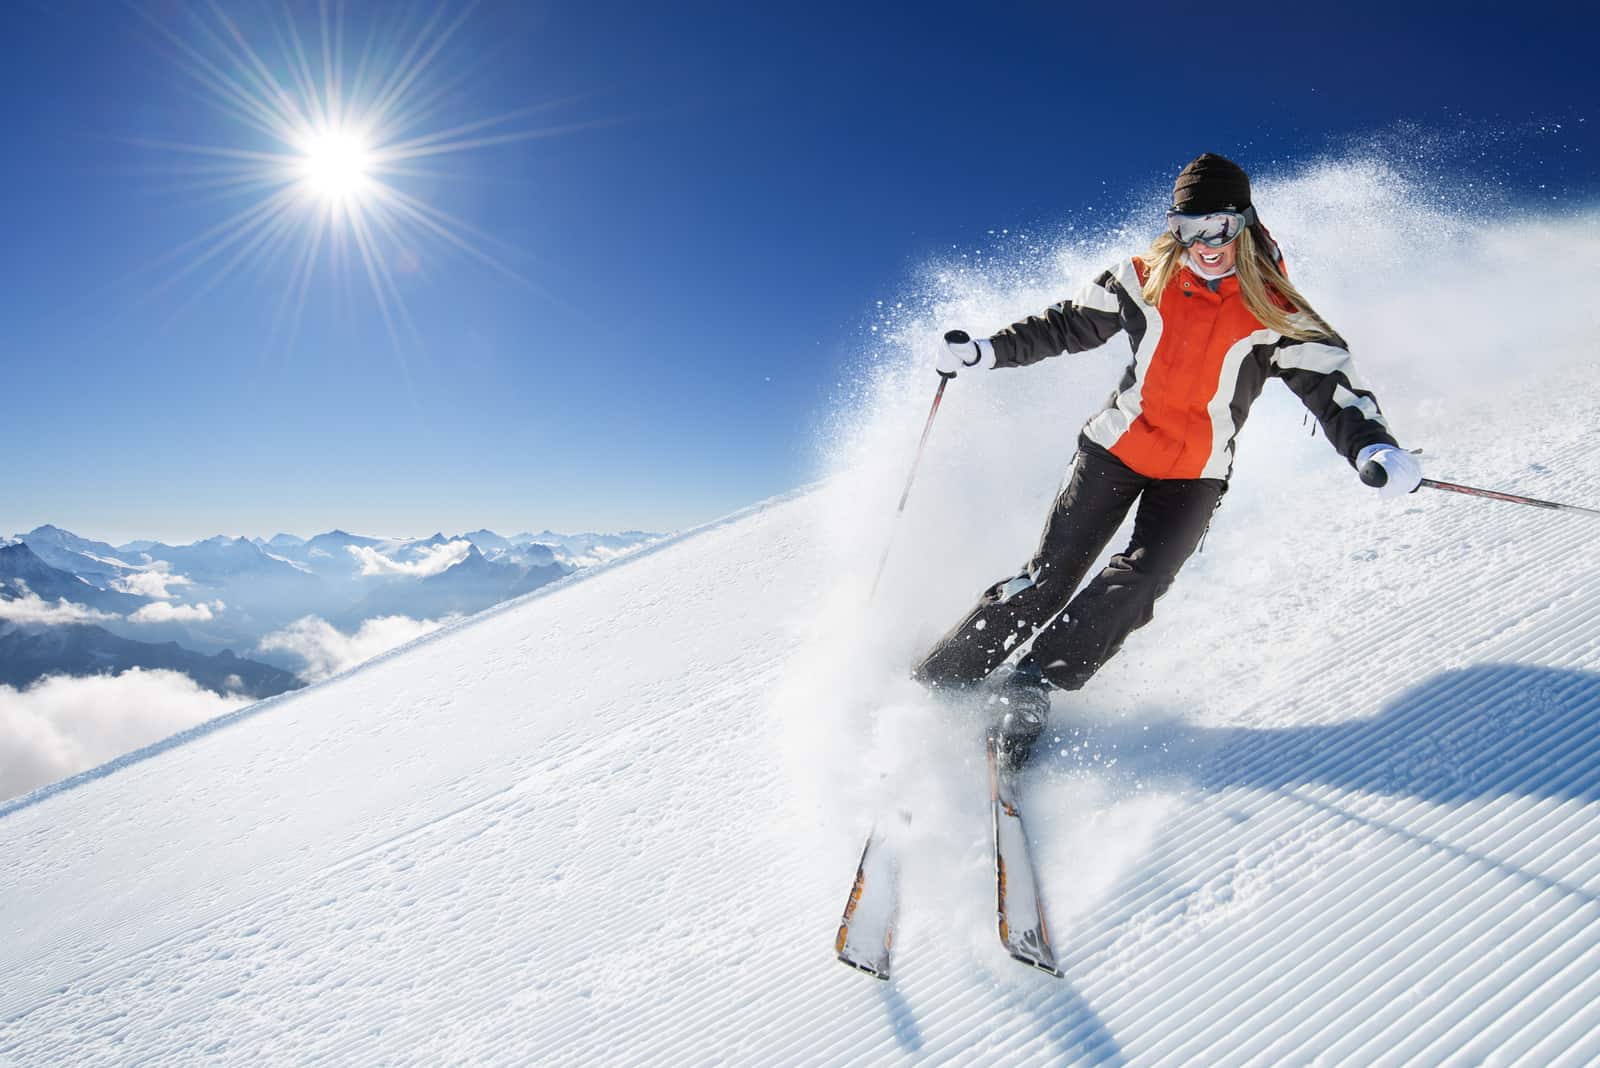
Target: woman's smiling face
(1214, 261)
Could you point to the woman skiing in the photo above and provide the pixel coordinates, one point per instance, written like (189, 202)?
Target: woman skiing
(1210, 316)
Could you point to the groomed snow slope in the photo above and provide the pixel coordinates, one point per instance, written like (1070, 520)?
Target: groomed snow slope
(1338, 805)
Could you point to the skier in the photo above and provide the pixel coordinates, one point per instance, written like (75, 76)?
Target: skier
(1211, 316)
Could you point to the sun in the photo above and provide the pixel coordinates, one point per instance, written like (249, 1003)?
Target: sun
(336, 165)
(333, 164)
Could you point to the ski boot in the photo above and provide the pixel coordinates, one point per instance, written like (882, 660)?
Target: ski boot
(1021, 704)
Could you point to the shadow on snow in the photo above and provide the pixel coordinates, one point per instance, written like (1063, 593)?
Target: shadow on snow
(1485, 731)
(1480, 732)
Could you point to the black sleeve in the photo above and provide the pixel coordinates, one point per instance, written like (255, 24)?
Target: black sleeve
(1323, 376)
(1086, 321)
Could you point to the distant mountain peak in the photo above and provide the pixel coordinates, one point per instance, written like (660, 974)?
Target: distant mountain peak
(340, 538)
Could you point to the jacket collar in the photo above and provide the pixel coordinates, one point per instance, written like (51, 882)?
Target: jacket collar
(1226, 286)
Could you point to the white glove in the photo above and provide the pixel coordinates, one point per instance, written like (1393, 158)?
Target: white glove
(961, 351)
(1395, 471)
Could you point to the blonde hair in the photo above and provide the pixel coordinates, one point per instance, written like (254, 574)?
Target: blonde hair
(1269, 295)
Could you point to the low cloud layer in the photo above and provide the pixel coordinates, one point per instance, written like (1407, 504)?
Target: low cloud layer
(429, 561)
(163, 612)
(151, 582)
(598, 554)
(60, 726)
(31, 608)
(326, 650)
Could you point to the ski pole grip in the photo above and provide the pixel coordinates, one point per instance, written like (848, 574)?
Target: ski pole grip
(954, 337)
(1373, 474)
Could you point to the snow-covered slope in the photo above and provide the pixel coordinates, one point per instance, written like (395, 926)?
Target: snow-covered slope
(1338, 805)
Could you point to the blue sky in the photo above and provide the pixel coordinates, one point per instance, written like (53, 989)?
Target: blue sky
(691, 251)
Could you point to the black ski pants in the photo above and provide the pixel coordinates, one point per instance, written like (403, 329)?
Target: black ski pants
(1072, 645)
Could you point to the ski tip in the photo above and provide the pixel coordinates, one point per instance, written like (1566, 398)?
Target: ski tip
(1047, 967)
(862, 966)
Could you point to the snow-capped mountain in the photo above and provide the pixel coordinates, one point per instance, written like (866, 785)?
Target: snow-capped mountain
(328, 554)
(94, 561)
(49, 540)
(488, 541)
(234, 593)
(24, 572)
(470, 585)
(218, 560)
(53, 623)
(583, 550)
(32, 652)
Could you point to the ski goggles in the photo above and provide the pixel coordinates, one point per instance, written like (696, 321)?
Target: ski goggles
(1213, 229)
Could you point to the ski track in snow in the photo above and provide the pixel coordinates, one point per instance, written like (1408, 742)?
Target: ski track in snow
(615, 821)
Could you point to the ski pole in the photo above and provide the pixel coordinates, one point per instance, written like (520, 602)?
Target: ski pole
(1512, 497)
(1373, 474)
(927, 428)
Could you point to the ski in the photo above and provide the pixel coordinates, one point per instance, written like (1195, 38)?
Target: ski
(1019, 905)
(867, 927)
(866, 930)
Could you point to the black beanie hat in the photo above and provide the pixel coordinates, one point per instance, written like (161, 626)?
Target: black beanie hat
(1211, 183)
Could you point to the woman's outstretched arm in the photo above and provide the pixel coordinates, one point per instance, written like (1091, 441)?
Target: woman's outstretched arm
(1086, 321)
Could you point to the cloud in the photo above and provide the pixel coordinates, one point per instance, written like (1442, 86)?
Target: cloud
(151, 582)
(430, 560)
(328, 650)
(31, 608)
(163, 612)
(596, 555)
(60, 726)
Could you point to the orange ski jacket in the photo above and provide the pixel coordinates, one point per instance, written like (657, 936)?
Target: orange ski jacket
(1200, 359)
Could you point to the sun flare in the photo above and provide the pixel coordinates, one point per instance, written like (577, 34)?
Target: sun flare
(336, 165)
